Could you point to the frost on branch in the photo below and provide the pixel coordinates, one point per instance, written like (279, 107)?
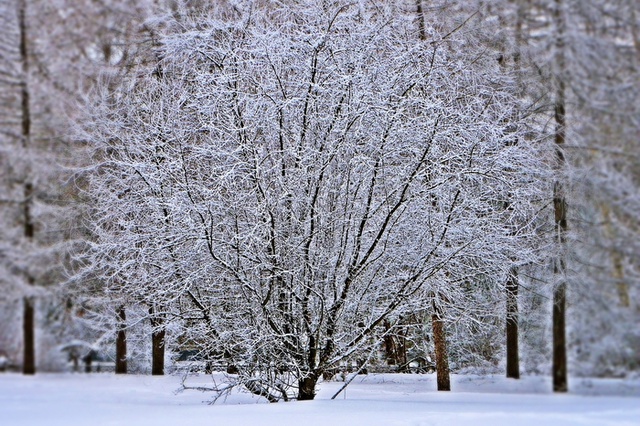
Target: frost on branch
(273, 182)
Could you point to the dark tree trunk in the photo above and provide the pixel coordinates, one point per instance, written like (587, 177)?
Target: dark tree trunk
(560, 214)
(24, 58)
(28, 320)
(512, 287)
(157, 356)
(88, 359)
(440, 342)
(402, 351)
(307, 384)
(513, 358)
(29, 362)
(395, 346)
(420, 18)
(559, 340)
(307, 387)
(390, 347)
(121, 342)
(157, 344)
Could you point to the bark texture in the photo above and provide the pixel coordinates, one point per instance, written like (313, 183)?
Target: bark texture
(307, 387)
(440, 342)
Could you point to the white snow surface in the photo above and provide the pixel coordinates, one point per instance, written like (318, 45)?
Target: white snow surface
(374, 399)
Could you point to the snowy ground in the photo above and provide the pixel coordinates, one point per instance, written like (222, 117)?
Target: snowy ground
(385, 399)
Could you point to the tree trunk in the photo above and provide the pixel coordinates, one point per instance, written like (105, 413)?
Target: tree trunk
(618, 276)
(420, 18)
(440, 342)
(28, 320)
(390, 346)
(157, 344)
(29, 362)
(560, 213)
(121, 342)
(88, 359)
(511, 328)
(307, 387)
(559, 340)
(513, 358)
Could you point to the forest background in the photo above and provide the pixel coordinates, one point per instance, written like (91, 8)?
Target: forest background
(287, 189)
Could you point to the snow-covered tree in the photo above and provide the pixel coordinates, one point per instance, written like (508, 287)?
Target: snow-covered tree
(284, 181)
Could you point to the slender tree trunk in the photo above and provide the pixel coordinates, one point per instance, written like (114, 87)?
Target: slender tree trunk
(513, 357)
(521, 12)
(512, 285)
(420, 18)
(559, 294)
(28, 320)
(29, 362)
(560, 212)
(157, 344)
(618, 276)
(559, 338)
(440, 342)
(121, 342)
(157, 358)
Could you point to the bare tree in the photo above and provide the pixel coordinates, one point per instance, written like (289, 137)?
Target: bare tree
(284, 176)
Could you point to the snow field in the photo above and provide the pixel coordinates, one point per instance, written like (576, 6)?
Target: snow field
(385, 399)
